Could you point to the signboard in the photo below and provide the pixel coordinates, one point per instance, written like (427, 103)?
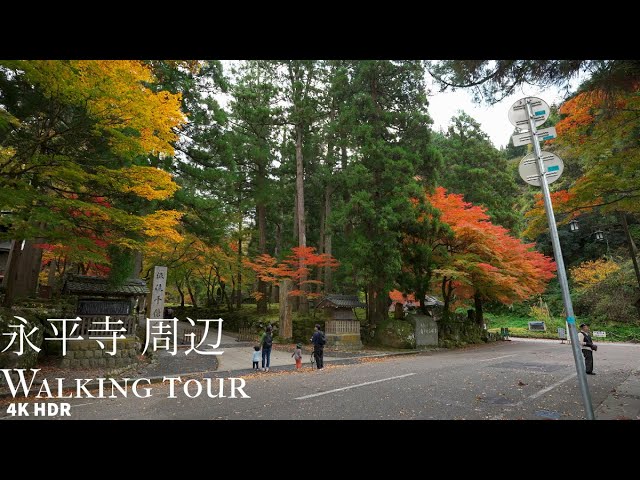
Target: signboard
(524, 138)
(519, 117)
(104, 307)
(599, 334)
(553, 165)
(562, 333)
(538, 326)
(157, 292)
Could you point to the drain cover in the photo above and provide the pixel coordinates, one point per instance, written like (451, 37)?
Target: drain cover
(551, 414)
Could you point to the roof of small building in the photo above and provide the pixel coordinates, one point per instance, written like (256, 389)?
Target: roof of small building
(431, 301)
(340, 301)
(88, 285)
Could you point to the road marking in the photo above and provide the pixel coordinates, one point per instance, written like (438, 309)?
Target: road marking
(83, 404)
(353, 386)
(551, 387)
(496, 358)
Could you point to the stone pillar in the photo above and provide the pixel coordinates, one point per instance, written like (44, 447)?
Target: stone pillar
(426, 330)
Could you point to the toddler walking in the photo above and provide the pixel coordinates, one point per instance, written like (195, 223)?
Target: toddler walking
(297, 355)
(256, 357)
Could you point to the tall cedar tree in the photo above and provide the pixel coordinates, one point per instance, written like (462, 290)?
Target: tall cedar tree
(392, 156)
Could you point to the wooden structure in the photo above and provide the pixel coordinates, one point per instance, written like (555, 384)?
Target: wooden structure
(97, 299)
(341, 325)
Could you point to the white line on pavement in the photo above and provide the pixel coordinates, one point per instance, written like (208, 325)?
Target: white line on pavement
(496, 358)
(551, 387)
(353, 386)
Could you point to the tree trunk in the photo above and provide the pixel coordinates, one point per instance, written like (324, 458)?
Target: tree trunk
(51, 278)
(239, 284)
(23, 268)
(295, 217)
(327, 239)
(194, 302)
(286, 325)
(632, 247)
(446, 297)
(348, 227)
(225, 297)
(477, 300)
(303, 305)
(275, 289)
(181, 293)
(137, 264)
(377, 304)
(261, 213)
(319, 271)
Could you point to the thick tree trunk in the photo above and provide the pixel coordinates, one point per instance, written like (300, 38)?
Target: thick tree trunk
(137, 264)
(286, 325)
(23, 268)
(295, 217)
(477, 300)
(262, 248)
(303, 305)
(377, 304)
(327, 239)
(275, 290)
(239, 284)
(319, 272)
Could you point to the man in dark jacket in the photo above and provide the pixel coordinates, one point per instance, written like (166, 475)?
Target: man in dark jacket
(587, 347)
(318, 341)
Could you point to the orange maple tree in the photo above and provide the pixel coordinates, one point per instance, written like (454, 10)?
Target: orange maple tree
(296, 266)
(486, 262)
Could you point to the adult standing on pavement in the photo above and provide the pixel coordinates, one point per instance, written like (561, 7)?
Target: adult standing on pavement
(318, 341)
(587, 346)
(267, 343)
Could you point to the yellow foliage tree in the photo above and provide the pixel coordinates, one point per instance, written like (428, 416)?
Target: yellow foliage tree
(590, 273)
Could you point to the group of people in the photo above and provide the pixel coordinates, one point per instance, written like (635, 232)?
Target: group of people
(266, 343)
(318, 340)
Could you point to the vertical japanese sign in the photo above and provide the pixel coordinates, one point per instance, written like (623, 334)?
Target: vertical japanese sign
(157, 292)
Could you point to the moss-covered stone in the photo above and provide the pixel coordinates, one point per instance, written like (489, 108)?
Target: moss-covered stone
(395, 334)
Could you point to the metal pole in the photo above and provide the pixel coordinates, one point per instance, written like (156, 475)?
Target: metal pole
(562, 275)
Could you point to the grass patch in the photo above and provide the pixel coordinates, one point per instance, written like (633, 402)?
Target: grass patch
(519, 327)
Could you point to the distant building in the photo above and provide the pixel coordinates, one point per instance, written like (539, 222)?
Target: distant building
(341, 325)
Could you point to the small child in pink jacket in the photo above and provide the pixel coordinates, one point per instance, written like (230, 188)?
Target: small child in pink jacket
(297, 355)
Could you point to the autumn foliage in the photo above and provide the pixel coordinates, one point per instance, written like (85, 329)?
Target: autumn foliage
(485, 259)
(296, 266)
(590, 273)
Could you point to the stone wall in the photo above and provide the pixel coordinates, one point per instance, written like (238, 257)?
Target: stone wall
(88, 354)
(344, 340)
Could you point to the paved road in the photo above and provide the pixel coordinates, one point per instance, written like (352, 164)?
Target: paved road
(502, 380)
